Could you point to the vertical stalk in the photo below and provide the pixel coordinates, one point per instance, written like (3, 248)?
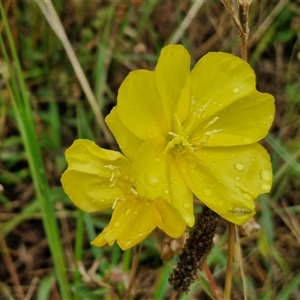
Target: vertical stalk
(21, 105)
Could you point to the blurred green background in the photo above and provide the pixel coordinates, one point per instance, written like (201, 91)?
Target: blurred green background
(44, 106)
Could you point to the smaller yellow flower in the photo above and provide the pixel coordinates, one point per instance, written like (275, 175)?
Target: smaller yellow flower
(97, 179)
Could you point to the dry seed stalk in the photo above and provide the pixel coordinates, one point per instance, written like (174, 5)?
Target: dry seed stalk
(195, 251)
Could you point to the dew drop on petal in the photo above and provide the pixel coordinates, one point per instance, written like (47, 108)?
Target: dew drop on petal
(135, 212)
(220, 202)
(117, 224)
(140, 234)
(188, 218)
(236, 90)
(186, 205)
(237, 178)
(246, 196)
(247, 140)
(266, 175)
(183, 170)
(192, 165)
(102, 200)
(265, 186)
(157, 160)
(127, 211)
(207, 192)
(152, 179)
(239, 166)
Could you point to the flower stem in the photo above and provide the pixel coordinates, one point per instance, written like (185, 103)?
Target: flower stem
(230, 260)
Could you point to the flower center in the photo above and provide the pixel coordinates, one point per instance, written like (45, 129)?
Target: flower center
(178, 144)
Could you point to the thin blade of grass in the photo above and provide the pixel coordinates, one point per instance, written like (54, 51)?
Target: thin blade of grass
(21, 106)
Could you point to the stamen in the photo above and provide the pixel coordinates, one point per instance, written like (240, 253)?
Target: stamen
(213, 121)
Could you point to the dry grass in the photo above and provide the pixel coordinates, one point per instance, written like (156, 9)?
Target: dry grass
(110, 38)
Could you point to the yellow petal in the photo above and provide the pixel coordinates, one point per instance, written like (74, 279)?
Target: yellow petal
(228, 179)
(128, 142)
(245, 121)
(90, 178)
(181, 195)
(219, 79)
(169, 219)
(155, 174)
(172, 72)
(132, 221)
(140, 106)
(149, 169)
(135, 218)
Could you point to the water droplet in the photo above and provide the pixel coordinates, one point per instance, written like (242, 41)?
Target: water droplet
(102, 200)
(207, 192)
(186, 205)
(239, 166)
(247, 140)
(183, 170)
(117, 224)
(157, 160)
(220, 103)
(237, 178)
(265, 186)
(192, 165)
(189, 218)
(220, 202)
(127, 211)
(166, 191)
(220, 181)
(135, 212)
(253, 159)
(236, 90)
(246, 196)
(266, 175)
(140, 234)
(152, 179)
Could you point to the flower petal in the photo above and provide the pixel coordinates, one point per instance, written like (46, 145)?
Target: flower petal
(169, 219)
(172, 72)
(128, 142)
(181, 195)
(132, 221)
(140, 106)
(245, 121)
(155, 175)
(228, 179)
(91, 173)
(220, 79)
(135, 218)
(149, 169)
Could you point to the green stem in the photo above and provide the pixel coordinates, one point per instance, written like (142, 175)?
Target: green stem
(21, 106)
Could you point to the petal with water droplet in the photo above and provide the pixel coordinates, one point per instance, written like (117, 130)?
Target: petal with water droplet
(171, 74)
(127, 141)
(234, 193)
(140, 107)
(89, 178)
(150, 174)
(128, 232)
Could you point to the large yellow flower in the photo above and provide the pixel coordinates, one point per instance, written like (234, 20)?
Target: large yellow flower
(97, 179)
(198, 131)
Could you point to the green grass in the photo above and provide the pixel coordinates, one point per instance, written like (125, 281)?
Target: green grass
(44, 107)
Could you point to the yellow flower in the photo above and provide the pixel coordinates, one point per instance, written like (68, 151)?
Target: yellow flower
(197, 130)
(97, 179)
